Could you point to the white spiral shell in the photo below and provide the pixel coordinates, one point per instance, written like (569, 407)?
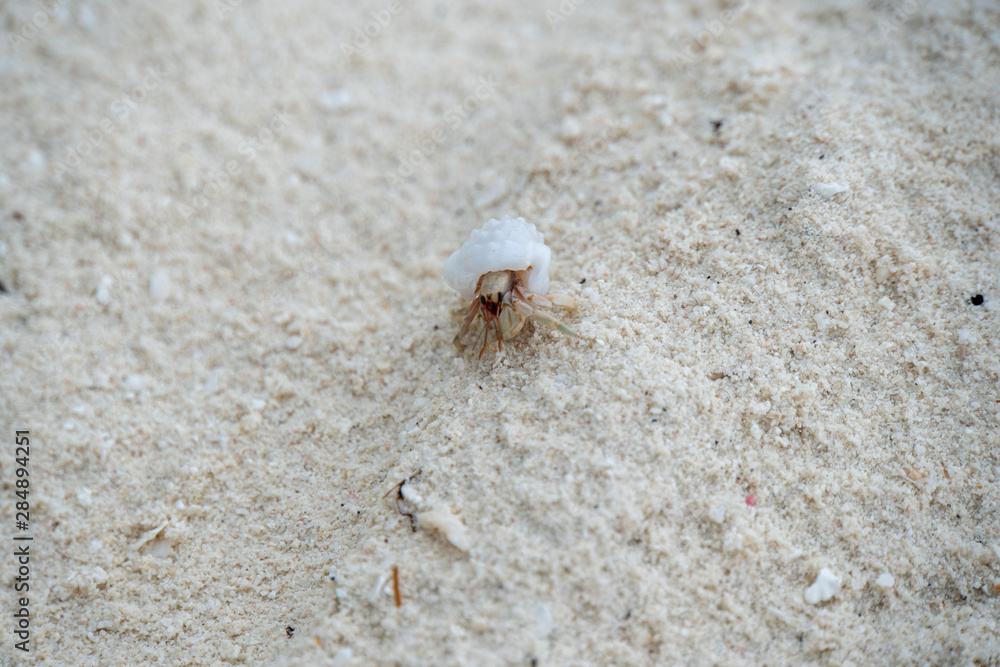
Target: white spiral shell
(507, 244)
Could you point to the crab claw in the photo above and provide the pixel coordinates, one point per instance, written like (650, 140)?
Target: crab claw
(511, 319)
(562, 300)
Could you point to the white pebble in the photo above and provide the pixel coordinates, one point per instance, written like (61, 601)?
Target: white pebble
(342, 657)
(135, 383)
(159, 286)
(571, 129)
(827, 585)
(718, 514)
(332, 100)
(885, 580)
(102, 294)
(99, 575)
(83, 497)
(544, 619)
(828, 189)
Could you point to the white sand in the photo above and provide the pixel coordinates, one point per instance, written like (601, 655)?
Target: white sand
(220, 398)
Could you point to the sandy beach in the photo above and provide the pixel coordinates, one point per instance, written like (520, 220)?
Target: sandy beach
(253, 441)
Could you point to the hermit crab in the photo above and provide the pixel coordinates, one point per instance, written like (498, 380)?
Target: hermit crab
(503, 270)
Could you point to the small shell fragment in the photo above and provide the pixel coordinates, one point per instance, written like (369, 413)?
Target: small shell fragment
(826, 586)
(827, 190)
(448, 524)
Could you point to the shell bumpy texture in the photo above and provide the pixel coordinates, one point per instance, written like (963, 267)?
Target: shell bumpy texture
(507, 244)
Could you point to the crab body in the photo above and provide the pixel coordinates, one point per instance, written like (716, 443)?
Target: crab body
(503, 271)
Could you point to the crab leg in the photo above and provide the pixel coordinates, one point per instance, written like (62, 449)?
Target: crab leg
(541, 316)
(545, 318)
(484, 332)
(561, 300)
